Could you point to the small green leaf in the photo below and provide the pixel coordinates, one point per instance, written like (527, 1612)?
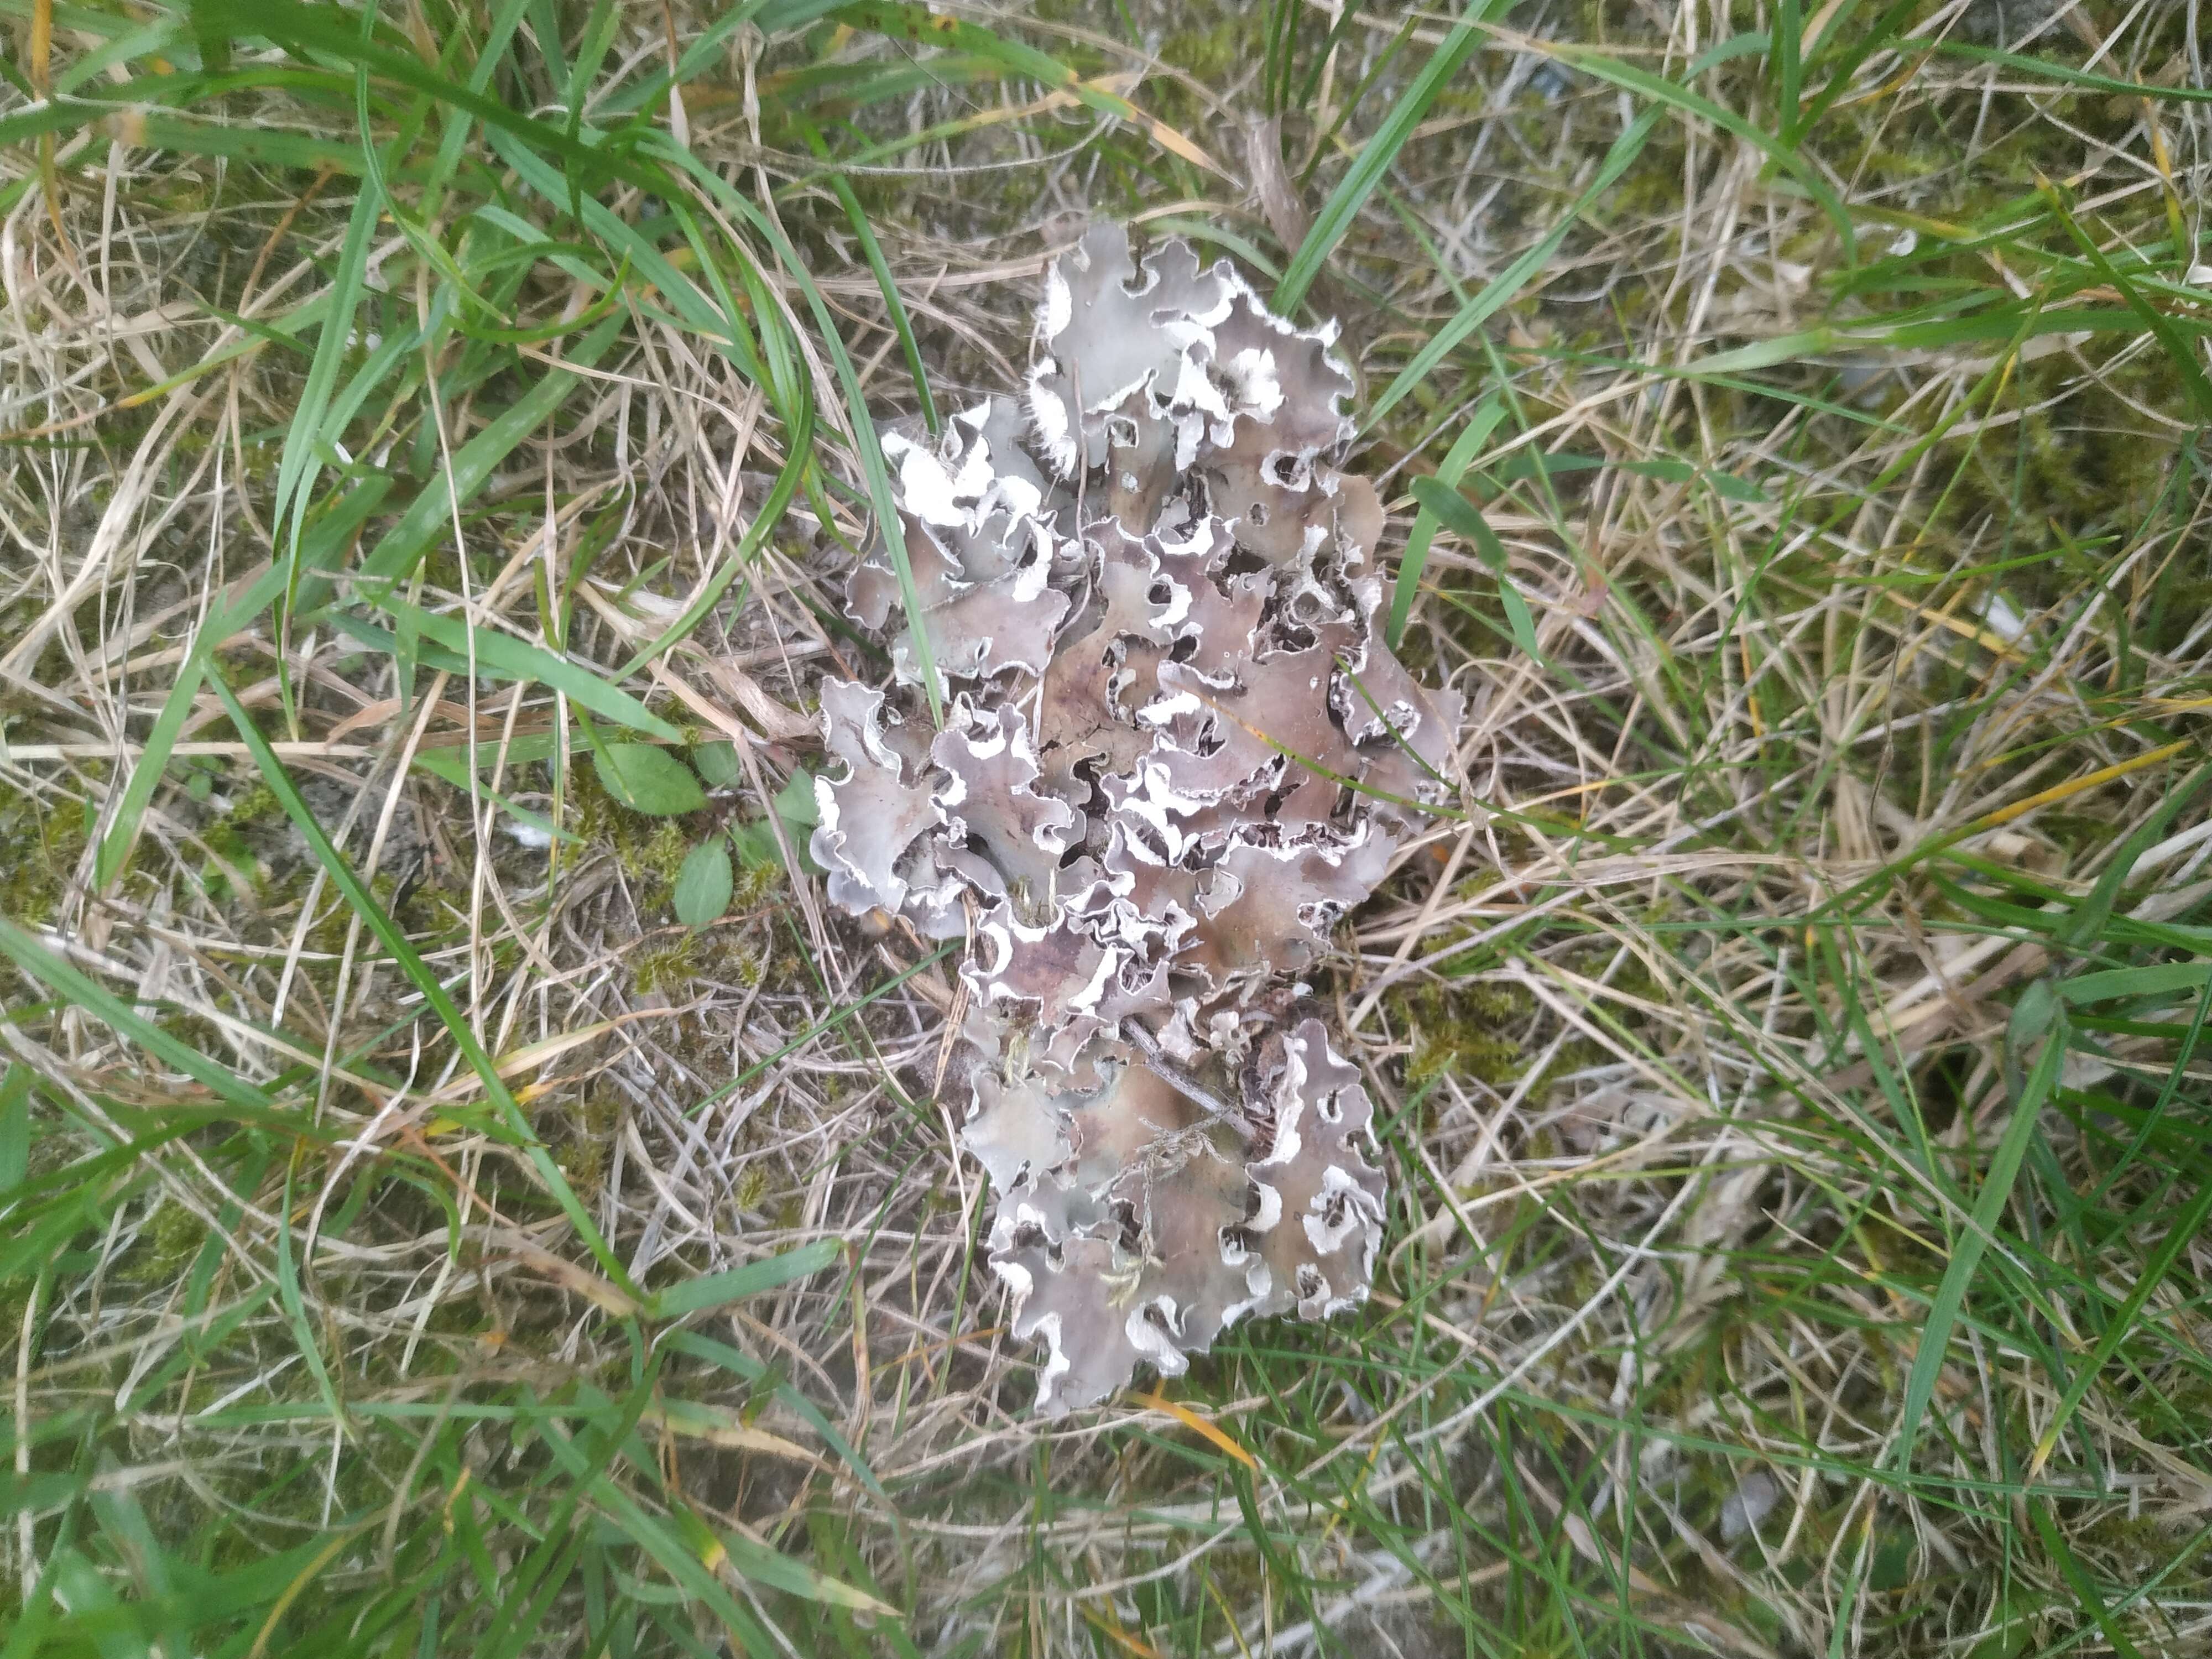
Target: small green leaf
(1668, 469)
(647, 780)
(796, 811)
(705, 882)
(766, 1566)
(718, 763)
(1735, 488)
(1518, 618)
(795, 803)
(756, 845)
(2033, 1014)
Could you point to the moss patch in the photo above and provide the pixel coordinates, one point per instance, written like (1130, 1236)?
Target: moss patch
(40, 843)
(1466, 1029)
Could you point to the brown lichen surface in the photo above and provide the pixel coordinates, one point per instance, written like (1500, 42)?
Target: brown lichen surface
(1175, 749)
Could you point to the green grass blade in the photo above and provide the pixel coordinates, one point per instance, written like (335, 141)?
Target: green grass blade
(2085, 1588)
(2186, 1231)
(1465, 448)
(431, 515)
(868, 446)
(2088, 918)
(418, 973)
(1376, 157)
(1499, 291)
(2182, 354)
(299, 463)
(683, 1564)
(872, 250)
(919, 23)
(518, 660)
(14, 1125)
(744, 1366)
(1934, 1338)
(714, 1290)
(66, 980)
(295, 1313)
(1606, 67)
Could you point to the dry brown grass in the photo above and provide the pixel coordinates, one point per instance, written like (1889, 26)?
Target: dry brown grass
(1872, 635)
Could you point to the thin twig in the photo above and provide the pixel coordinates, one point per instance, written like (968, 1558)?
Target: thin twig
(1168, 1072)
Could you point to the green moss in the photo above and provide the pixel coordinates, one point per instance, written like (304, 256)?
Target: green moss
(592, 1124)
(600, 1115)
(1574, 1054)
(753, 1186)
(2177, 603)
(40, 842)
(200, 1035)
(2137, 1545)
(1466, 1028)
(2079, 455)
(258, 804)
(329, 933)
(649, 850)
(585, 1164)
(1218, 56)
(1214, 56)
(722, 956)
(662, 853)
(171, 1237)
(232, 862)
(666, 967)
(755, 884)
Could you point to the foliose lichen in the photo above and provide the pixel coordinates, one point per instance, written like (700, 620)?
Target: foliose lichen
(1176, 749)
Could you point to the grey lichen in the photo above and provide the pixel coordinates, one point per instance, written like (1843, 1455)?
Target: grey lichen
(1176, 749)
